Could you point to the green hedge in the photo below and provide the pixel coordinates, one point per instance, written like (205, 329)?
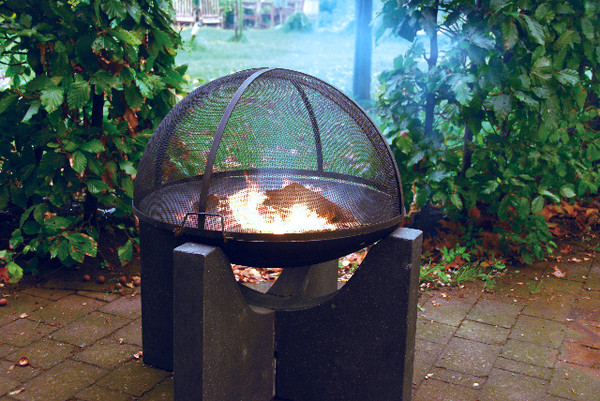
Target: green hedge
(90, 80)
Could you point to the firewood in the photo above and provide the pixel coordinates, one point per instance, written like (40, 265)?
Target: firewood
(293, 194)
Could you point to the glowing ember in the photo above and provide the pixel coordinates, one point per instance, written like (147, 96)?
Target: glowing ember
(250, 212)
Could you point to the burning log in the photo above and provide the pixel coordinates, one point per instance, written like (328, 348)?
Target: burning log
(296, 194)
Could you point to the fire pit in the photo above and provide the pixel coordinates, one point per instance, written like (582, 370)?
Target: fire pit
(277, 168)
(274, 168)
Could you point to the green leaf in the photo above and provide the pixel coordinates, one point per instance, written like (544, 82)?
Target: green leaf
(78, 94)
(542, 92)
(567, 38)
(482, 40)
(543, 11)
(587, 28)
(79, 162)
(51, 163)
(62, 249)
(81, 245)
(96, 186)
(502, 106)
(92, 146)
(463, 92)
(497, 5)
(39, 212)
(33, 109)
(135, 11)
(31, 227)
(528, 100)
(550, 195)
(14, 271)
(503, 208)
(57, 223)
(104, 80)
(567, 77)
(128, 167)
(537, 205)
(7, 100)
(113, 8)
(510, 34)
(456, 201)
(535, 29)
(125, 252)
(524, 207)
(567, 191)
(439, 175)
(527, 257)
(52, 98)
(133, 96)
(128, 37)
(25, 215)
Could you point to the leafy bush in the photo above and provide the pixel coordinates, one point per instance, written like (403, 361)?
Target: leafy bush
(90, 81)
(298, 22)
(504, 120)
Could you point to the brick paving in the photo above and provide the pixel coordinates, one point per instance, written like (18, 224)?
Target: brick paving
(522, 341)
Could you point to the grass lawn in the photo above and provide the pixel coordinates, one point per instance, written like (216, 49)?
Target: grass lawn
(326, 55)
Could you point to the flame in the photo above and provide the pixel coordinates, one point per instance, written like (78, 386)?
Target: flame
(250, 213)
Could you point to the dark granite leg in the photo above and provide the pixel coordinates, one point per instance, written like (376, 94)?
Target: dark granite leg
(359, 344)
(223, 348)
(157, 295)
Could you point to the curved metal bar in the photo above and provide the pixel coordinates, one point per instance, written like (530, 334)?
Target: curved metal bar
(315, 125)
(210, 162)
(179, 230)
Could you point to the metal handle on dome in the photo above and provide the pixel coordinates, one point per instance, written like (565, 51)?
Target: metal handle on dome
(210, 162)
(179, 230)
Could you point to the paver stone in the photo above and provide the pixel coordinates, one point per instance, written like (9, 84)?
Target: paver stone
(61, 382)
(85, 331)
(530, 353)
(509, 386)
(496, 313)
(539, 331)
(468, 356)
(435, 390)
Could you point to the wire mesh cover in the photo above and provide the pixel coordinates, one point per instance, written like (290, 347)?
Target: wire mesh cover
(290, 141)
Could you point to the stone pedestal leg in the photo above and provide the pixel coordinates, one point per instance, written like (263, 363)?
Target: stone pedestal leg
(222, 348)
(358, 344)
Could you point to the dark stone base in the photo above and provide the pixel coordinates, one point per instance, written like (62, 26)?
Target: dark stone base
(303, 340)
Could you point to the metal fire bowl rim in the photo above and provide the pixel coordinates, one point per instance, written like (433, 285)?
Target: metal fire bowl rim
(307, 236)
(363, 228)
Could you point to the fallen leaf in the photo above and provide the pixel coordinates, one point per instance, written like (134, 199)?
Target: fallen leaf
(15, 392)
(23, 315)
(138, 355)
(23, 361)
(577, 260)
(444, 295)
(434, 303)
(567, 249)
(558, 272)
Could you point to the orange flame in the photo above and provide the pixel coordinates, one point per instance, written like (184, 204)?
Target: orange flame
(251, 214)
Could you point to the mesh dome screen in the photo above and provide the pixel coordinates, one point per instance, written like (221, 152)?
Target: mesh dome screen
(267, 142)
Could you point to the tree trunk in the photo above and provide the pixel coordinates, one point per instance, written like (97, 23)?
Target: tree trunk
(363, 49)
(431, 29)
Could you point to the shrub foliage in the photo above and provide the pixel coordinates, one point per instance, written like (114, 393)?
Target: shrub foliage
(501, 116)
(89, 81)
